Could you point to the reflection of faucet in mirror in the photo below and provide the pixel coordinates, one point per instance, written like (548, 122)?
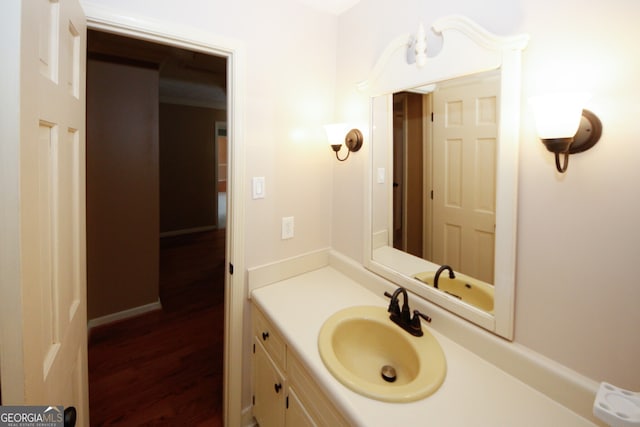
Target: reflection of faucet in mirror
(439, 272)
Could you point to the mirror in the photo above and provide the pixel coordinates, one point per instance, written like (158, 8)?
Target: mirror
(443, 173)
(444, 191)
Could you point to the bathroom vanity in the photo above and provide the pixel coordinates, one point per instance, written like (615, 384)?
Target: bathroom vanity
(489, 381)
(284, 392)
(287, 368)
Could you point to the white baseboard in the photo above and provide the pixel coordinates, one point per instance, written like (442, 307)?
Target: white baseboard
(125, 314)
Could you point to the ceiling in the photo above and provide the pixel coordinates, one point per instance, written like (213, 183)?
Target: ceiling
(335, 7)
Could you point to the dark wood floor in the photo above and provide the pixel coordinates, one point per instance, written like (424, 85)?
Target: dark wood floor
(165, 368)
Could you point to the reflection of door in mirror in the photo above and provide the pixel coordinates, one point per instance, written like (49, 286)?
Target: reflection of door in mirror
(465, 139)
(444, 203)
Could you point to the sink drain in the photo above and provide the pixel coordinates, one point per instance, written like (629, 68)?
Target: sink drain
(388, 373)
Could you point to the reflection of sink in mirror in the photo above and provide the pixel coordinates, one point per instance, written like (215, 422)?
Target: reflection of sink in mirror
(472, 291)
(373, 356)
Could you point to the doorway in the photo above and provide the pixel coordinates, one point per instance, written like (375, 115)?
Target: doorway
(157, 216)
(169, 33)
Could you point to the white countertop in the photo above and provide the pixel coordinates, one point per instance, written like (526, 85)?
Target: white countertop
(475, 393)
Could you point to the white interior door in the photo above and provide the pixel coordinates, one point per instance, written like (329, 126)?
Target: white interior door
(52, 272)
(465, 141)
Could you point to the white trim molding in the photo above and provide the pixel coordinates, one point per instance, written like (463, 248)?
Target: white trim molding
(483, 51)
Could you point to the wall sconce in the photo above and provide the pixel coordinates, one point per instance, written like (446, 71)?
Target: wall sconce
(337, 133)
(563, 126)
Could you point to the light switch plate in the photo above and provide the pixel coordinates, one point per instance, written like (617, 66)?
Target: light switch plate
(258, 190)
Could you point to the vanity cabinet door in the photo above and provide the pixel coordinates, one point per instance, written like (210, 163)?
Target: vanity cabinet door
(268, 389)
(296, 415)
(269, 337)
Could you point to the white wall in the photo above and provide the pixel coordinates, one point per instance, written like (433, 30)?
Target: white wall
(577, 293)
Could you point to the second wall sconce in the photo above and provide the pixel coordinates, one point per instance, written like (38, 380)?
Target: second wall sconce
(564, 127)
(337, 133)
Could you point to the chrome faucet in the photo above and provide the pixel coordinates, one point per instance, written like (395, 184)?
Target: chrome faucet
(402, 317)
(439, 272)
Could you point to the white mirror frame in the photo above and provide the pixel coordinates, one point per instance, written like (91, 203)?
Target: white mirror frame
(466, 49)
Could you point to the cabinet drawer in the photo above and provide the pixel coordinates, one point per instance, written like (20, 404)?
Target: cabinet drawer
(270, 338)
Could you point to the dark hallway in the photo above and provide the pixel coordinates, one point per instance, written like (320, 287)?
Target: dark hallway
(165, 367)
(156, 171)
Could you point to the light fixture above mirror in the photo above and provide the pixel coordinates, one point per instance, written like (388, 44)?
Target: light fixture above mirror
(468, 53)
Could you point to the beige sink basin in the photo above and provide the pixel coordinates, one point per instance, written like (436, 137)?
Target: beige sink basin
(356, 343)
(474, 292)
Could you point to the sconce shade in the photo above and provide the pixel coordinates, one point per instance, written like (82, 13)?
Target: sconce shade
(336, 133)
(563, 126)
(558, 115)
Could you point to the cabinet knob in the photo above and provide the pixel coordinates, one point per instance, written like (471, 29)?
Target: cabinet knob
(278, 387)
(265, 335)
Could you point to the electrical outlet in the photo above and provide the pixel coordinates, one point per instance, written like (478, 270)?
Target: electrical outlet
(287, 227)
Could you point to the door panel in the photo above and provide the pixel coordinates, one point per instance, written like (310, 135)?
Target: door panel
(52, 200)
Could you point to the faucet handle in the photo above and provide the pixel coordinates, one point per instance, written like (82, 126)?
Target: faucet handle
(417, 315)
(415, 325)
(394, 307)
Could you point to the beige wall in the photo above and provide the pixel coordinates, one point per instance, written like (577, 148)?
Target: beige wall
(578, 234)
(187, 166)
(122, 187)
